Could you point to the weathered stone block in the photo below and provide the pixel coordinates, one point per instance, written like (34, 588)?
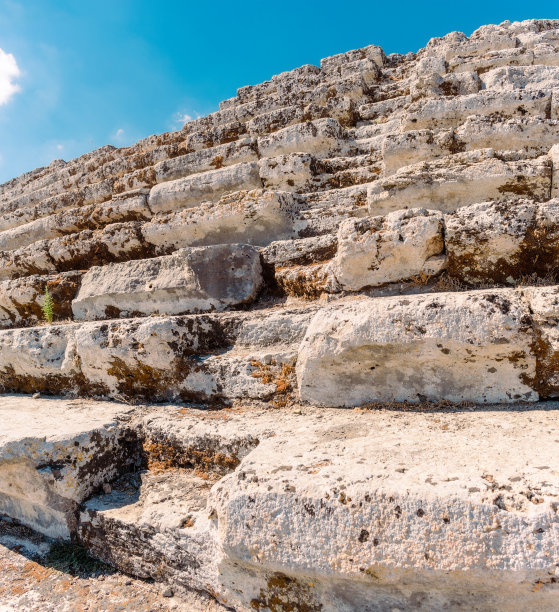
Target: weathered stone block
(503, 242)
(474, 346)
(459, 180)
(191, 280)
(56, 453)
(193, 190)
(21, 300)
(321, 137)
(293, 172)
(254, 217)
(89, 217)
(205, 160)
(378, 250)
(450, 112)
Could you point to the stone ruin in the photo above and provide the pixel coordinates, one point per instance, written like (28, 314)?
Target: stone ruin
(328, 314)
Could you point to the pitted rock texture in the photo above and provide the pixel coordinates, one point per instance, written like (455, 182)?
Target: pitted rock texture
(337, 509)
(54, 454)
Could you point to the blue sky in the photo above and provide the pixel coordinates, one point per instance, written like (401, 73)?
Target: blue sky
(75, 75)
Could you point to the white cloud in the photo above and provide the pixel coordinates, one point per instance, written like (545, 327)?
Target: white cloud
(179, 119)
(119, 137)
(183, 118)
(9, 72)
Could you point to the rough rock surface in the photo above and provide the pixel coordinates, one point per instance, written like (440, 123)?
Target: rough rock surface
(336, 509)
(375, 231)
(189, 280)
(46, 469)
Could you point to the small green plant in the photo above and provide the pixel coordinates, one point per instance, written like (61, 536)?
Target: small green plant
(48, 306)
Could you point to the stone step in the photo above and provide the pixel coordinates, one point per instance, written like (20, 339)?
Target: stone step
(212, 358)
(68, 213)
(204, 160)
(503, 243)
(313, 87)
(529, 136)
(437, 113)
(330, 511)
(191, 280)
(55, 453)
(73, 220)
(357, 254)
(256, 217)
(493, 243)
(482, 346)
(454, 181)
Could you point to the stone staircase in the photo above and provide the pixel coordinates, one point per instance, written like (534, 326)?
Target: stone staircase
(378, 233)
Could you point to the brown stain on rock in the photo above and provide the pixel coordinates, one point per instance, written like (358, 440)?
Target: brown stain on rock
(286, 594)
(208, 462)
(546, 377)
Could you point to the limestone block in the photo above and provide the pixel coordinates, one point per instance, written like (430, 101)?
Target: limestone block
(419, 347)
(72, 221)
(365, 68)
(265, 107)
(267, 498)
(41, 359)
(200, 358)
(528, 133)
(378, 250)
(458, 180)
(519, 56)
(56, 453)
(116, 242)
(486, 38)
(432, 84)
(253, 217)
(164, 367)
(450, 112)
(142, 157)
(214, 134)
(301, 251)
(527, 78)
(297, 80)
(320, 137)
(191, 280)
(544, 306)
(21, 300)
(228, 154)
(368, 500)
(10, 218)
(502, 242)
(546, 54)
(334, 62)
(276, 119)
(430, 65)
(33, 259)
(193, 190)
(191, 358)
(293, 172)
(399, 150)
